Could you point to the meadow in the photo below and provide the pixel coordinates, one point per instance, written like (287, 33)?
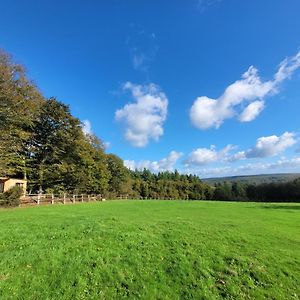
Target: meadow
(151, 250)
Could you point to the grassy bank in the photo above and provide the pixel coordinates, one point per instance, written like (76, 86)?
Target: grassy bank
(151, 250)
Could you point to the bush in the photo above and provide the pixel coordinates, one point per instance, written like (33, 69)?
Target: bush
(11, 198)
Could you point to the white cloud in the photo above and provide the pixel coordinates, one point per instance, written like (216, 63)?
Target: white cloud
(165, 164)
(203, 156)
(87, 127)
(267, 146)
(252, 111)
(144, 118)
(280, 166)
(250, 89)
(271, 145)
(237, 156)
(287, 67)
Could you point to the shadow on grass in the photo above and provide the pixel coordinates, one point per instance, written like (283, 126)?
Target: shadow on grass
(282, 206)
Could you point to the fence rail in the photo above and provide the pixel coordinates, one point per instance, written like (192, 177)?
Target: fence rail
(38, 199)
(58, 198)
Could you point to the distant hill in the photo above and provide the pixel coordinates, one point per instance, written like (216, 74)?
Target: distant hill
(263, 178)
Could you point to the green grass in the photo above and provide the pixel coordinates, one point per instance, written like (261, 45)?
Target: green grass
(151, 250)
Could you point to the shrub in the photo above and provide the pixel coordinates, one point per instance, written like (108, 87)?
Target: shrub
(11, 198)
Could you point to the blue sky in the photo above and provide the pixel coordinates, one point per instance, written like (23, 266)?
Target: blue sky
(210, 87)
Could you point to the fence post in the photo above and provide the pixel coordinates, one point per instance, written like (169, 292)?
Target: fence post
(74, 198)
(88, 198)
(52, 199)
(64, 198)
(81, 197)
(38, 199)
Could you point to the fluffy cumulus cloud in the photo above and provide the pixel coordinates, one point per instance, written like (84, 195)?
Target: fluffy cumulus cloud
(244, 98)
(252, 111)
(204, 156)
(271, 145)
(143, 119)
(266, 146)
(165, 164)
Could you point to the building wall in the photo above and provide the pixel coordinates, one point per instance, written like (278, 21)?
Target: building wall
(10, 183)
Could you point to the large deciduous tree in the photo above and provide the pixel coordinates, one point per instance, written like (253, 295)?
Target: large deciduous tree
(120, 181)
(19, 104)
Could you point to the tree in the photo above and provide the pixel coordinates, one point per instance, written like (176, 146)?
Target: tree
(19, 105)
(91, 170)
(223, 192)
(120, 181)
(53, 143)
(238, 191)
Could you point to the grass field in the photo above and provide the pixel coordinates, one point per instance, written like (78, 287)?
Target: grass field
(151, 250)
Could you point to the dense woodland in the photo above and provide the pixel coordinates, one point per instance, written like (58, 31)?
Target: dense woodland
(264, 192)
(43, 142)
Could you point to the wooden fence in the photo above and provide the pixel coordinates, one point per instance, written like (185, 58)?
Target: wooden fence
(37, 199)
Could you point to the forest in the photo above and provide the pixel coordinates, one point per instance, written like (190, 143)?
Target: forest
(44, 143)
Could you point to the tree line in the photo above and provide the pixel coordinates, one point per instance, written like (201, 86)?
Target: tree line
(169, 185)
(264, 192)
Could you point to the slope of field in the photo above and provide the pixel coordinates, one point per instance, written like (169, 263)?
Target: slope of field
(254, 179)
(151, 250)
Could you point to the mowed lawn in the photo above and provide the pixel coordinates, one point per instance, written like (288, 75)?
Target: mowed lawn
(151, 250)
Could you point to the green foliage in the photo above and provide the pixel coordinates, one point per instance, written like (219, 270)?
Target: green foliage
(120, 181)
(53, 141)
(265, 192)
(169, 185)
(19, 105)
(11, 198)
(42, 141)
(151, 250)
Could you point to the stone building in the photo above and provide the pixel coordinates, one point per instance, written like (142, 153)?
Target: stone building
(7, 183)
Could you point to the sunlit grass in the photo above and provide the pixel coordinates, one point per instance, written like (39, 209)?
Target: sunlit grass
(151, 250)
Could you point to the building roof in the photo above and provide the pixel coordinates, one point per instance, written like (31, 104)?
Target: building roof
(4, 178)
(7, 178)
